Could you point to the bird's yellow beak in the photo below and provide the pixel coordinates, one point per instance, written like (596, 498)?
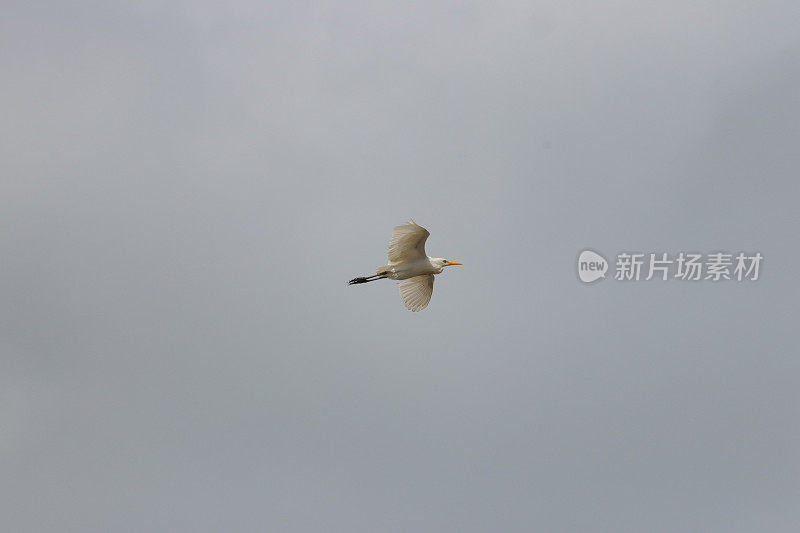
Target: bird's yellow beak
(452, 263)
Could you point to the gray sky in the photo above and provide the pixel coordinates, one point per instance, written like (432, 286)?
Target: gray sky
(187, 187)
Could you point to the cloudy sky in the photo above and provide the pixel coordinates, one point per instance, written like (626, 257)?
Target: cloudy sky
(187, 187)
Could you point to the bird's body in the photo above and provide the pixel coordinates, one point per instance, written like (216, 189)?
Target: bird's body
(409, 264)
(409, 269)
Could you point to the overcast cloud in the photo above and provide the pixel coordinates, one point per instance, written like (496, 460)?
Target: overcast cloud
(187, 187)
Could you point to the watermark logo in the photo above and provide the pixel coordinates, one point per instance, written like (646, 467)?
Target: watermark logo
(591, 266)
(684, 266)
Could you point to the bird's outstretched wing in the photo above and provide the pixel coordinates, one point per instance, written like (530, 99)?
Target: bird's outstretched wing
(416, 292)
(407, 242)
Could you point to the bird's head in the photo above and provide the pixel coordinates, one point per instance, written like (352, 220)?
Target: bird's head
(441, 263)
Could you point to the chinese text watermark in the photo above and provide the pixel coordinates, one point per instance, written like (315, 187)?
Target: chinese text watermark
(684, 266)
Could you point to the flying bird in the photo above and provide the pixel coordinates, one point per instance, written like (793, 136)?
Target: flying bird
(410, 266)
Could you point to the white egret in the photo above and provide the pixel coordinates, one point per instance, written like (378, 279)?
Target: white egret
(410, 266)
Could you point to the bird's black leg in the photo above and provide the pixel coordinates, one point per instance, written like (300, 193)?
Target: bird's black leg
(365, 279)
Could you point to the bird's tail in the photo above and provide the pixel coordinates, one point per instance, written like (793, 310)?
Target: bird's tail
(383, 269)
